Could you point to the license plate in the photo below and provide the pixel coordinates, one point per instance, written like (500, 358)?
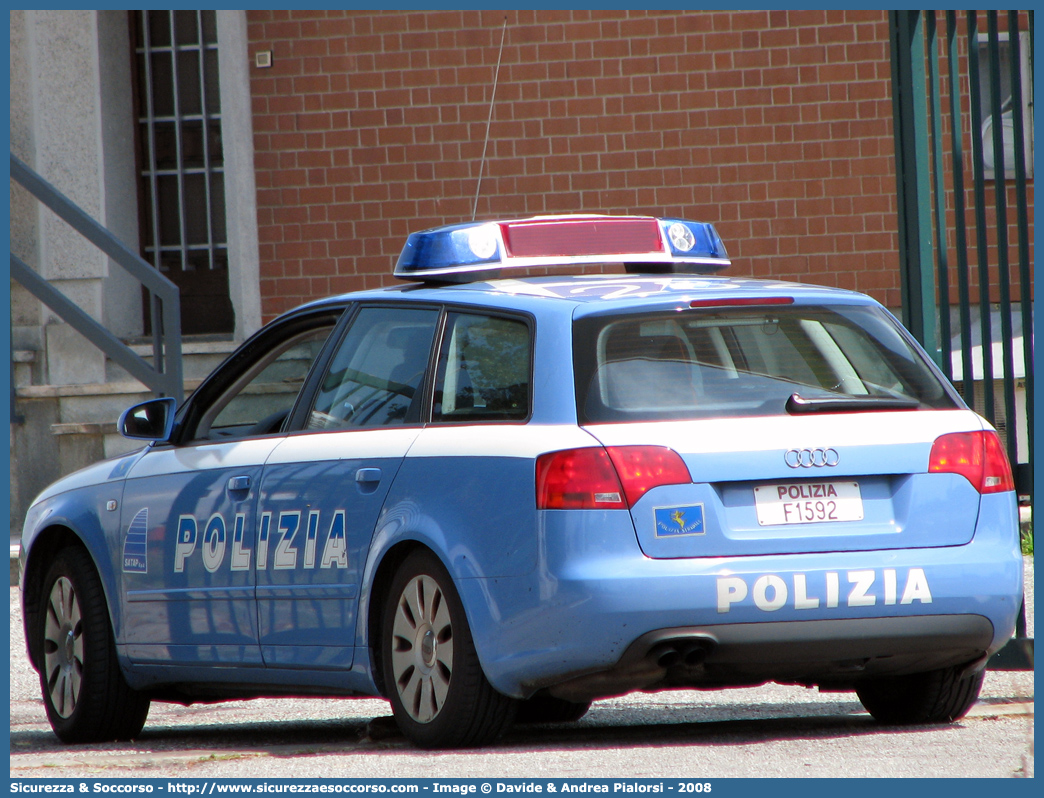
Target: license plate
(808, 503)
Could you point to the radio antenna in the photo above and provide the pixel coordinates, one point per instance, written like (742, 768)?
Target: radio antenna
(492, 99)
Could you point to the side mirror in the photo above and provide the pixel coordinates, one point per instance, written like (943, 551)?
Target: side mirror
(149, 421)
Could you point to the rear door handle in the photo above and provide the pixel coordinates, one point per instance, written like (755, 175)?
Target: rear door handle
(368, 475)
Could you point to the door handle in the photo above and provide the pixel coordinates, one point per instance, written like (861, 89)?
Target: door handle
(368, 475)
(239, 483)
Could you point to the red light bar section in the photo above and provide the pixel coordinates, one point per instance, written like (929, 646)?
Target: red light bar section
(731, 302)
(553, 238)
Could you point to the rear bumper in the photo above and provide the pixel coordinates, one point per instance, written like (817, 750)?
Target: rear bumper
(588, 622)
(824, 652)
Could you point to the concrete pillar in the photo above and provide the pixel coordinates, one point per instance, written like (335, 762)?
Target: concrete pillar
(237, 134)
(122, 295)
(72, 121)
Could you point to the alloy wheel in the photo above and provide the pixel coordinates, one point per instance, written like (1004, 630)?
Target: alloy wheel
(63, 647)
(422, 648)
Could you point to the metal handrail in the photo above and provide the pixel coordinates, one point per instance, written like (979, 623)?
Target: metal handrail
(164, 377)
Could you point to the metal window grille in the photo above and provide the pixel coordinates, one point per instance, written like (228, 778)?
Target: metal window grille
(1003, 49)
(180, 132)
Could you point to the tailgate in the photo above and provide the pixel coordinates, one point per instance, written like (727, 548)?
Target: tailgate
(796, 484)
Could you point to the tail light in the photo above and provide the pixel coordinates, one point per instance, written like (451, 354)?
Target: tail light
(642, 468)
(977, 456)
(606, 479)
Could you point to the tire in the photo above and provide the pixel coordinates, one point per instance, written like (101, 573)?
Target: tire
(439, 695)
(548, 709)
(934, 697)
(86, 697)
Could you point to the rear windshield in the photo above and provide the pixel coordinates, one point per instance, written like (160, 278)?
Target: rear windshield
(747, 362)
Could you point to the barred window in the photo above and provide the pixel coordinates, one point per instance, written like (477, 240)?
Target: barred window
(181, 162)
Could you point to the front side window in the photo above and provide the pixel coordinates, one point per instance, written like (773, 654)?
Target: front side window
(376, 375)
(265, 401)
(254, 393)
(746, 362)
(483, 372)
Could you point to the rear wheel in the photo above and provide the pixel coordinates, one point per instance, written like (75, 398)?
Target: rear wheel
(86, 697)
(439, 695)
(938, 696)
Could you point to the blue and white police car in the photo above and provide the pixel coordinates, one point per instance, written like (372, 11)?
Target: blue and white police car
(488, 497)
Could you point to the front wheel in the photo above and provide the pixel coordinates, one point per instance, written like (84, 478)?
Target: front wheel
(939, 696)
(439, 695)
(86, 697)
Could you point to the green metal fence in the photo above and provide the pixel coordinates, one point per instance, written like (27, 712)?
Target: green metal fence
(962, 97)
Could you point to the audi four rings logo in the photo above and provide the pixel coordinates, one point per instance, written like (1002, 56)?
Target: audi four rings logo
(811, 458)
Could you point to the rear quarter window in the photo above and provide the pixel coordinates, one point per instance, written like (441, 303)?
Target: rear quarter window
(483, 370)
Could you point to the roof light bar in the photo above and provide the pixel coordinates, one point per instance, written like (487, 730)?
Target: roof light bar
(572, 238)
(480, 250)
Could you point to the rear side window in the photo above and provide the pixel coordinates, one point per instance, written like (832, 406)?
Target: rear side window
(376, 374)
(483, 372)
(744, 362)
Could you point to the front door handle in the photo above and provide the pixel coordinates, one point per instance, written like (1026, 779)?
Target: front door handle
(239, 483)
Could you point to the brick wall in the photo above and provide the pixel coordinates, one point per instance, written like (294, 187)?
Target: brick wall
(773, 125)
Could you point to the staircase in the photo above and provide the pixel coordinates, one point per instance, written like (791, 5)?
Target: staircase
(67, 427)
(66, 391)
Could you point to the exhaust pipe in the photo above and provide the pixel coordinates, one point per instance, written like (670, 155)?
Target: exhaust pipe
(686, 651)
(665, 654)
(694, 652)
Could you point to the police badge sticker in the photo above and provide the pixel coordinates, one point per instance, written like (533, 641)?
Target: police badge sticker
(673, 522)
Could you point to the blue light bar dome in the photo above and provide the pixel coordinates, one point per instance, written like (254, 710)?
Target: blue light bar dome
(482, 250)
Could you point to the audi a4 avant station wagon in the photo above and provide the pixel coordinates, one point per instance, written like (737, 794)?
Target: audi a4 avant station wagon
(490, 497)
